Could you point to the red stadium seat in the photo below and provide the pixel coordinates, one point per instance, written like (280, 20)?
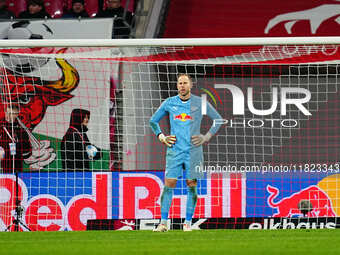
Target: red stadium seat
(54, 7)
(91, 7)
(68, 4)
(16, 6)
(130, 8)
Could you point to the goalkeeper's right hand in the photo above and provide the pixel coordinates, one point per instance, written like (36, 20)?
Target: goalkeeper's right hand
(168, 140)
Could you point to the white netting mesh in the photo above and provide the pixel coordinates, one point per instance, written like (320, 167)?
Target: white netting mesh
(120, 88)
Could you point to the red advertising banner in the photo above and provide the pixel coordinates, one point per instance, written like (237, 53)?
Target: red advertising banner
(247, 18)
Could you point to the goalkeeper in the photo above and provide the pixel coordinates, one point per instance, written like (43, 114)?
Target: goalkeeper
(184, 152)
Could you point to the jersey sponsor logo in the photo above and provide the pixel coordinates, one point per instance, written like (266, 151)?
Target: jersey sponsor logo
(183, 117)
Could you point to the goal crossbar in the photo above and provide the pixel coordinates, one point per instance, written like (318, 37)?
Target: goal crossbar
(172, 42)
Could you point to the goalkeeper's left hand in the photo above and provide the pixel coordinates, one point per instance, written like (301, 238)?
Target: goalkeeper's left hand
(198, 140)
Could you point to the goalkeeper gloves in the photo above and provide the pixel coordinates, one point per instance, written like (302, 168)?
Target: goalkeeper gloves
(168, 140)
(198, 140)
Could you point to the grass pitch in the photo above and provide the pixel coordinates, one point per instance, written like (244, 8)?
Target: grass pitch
(208, 242)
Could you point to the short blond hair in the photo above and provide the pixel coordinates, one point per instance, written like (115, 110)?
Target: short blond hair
(184, 74)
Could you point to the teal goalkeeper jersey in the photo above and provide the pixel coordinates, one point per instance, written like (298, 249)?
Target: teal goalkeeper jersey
(185, 121)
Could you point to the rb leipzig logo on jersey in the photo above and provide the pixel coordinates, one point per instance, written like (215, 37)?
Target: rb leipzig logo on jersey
(182, 117)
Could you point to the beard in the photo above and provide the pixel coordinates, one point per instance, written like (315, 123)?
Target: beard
(185, 93)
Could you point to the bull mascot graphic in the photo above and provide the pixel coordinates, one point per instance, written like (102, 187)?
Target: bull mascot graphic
(316, 16)
(34, 95)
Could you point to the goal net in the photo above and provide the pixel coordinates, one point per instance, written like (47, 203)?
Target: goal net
(85, 149)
